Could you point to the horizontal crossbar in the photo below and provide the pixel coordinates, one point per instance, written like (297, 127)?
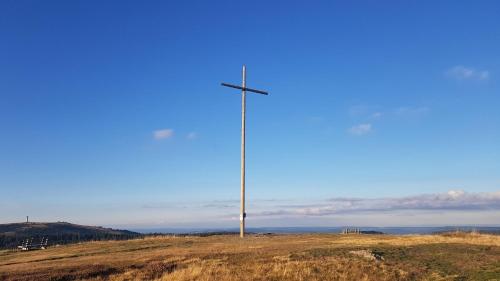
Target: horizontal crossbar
(245, 89)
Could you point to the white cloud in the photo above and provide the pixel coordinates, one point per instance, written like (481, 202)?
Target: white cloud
(163, 134)
(453, 200)
(191, 136)
(361, 129)
(461, 72)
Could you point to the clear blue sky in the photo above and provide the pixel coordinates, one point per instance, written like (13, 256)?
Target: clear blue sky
(111, 112)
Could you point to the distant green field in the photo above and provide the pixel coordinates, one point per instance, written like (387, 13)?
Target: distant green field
(264, 257)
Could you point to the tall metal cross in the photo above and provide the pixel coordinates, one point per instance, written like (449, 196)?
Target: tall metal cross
(243, 89)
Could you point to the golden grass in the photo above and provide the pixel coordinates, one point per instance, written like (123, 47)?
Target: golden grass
(270, 257)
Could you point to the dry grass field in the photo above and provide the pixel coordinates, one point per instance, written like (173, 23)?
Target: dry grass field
(264, 257)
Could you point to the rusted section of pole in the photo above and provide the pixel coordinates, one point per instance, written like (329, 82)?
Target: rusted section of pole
(243, 107)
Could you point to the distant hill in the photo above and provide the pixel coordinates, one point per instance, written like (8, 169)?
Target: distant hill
(12, 234)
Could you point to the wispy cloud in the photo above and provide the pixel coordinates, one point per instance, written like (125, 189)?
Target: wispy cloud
(365, 113)
(452, 207)
(163, 205)
(361, 109)
(412, 111)
(457, 200)
(461, 72)
(191, 136)
(219, 206)
(163, 134)
(361, 129)
(212, 204)
(315, 119)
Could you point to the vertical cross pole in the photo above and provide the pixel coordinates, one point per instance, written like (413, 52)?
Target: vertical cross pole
(244, 91)
(243, 107)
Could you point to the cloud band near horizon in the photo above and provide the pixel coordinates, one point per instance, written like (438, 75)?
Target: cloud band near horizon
(453, 200)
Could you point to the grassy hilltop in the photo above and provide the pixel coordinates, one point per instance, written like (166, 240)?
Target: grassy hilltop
(264, 257)
(12, 234)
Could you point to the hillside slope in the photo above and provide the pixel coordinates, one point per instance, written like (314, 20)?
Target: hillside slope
(12, 234)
